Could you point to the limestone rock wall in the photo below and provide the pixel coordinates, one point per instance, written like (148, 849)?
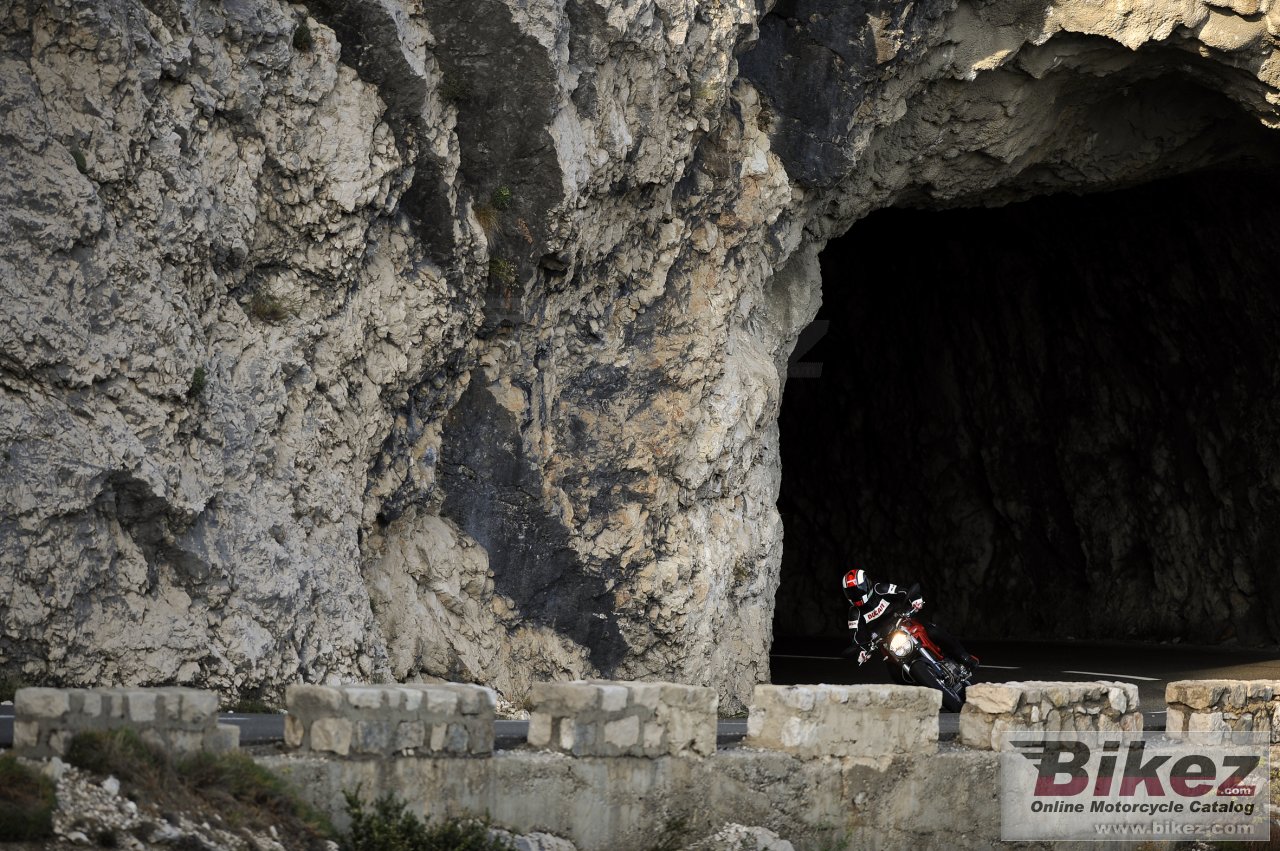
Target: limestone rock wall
(409, 339)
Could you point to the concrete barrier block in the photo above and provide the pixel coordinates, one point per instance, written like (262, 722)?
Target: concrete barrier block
(198, 707)
(605, 718)
(307, 699)
(26, 736)
(410, 735)
(47, 719)
(826, 720)
(993, 709)
(383, 720)
(42, 703)
(332, 735)
(539, 729)
(1223, 706)
(141, 706)
(224, 738)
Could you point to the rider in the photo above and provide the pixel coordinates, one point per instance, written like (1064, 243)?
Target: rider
(873, 606)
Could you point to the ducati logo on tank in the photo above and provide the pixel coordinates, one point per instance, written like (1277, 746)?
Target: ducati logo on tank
(878, 610)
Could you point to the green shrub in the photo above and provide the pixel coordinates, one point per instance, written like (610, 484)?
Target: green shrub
(242, 792)
(121, 753)
(27, 801)
(303, 41)
(502, 272)
(501, 198)
(387, 827)
(270, 800)
(199, 378)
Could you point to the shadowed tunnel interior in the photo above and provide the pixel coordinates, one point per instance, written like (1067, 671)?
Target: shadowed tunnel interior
(1061, 416)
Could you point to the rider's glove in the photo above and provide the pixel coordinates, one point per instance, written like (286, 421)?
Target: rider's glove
(863, 656)
(917, 605)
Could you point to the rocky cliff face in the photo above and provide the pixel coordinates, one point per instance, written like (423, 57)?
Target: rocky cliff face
(391, 338)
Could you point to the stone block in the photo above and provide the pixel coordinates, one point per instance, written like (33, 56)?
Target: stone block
(996, 708)
(41, 703)
(994, 698)
(412, 699)
(373, 737)
(113, 704)
(199, 707)
(476, 700)
(457, 740)
(314, 701)
(141, 706)
(409, 735)
(87, 704)
(568, 734)
(332, 735)
(294, 731)
(569, 698)
(186, 741)
(369, 697)
(613, 698)
(26, 736)
(622, 733)
(442, 702)
(539, 729)
(60, 741)
(824, 720)
(222, 739)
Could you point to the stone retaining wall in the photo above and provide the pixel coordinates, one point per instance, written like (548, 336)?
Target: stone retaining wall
(602, 718)
(1217, 706)
(182, 720)
(443, 720)
(996, 708)
(824, 720)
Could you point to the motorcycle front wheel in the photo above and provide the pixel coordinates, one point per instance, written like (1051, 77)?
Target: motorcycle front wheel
(922, 673)
(897, 673)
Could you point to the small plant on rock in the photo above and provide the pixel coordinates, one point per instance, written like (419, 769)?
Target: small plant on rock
(199, 378)
(269, 306)
(501, 198)
(303, 41)
(488, 217)
(502, 272)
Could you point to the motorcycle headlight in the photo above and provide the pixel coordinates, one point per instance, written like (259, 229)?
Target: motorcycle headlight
(900, 644)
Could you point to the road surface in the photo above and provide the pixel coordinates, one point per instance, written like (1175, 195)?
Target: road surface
(1148, 666)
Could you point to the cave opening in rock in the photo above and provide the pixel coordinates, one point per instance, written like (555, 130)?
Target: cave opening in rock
(1061, 416)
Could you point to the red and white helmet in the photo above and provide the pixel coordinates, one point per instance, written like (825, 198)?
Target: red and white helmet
(857, 587)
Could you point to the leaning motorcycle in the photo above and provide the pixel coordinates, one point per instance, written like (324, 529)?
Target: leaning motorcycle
(914, 659)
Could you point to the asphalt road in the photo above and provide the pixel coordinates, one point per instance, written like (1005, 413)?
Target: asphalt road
(1148, 666)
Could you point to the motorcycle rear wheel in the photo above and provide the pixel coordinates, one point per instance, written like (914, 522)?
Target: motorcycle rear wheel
(922, 673)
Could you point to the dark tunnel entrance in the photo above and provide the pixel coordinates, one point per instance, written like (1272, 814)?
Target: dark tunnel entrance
(1062, 417)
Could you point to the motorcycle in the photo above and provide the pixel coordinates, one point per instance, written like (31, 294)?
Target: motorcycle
(913, 659)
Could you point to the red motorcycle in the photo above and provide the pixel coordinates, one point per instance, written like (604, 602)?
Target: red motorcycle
(913, 659)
